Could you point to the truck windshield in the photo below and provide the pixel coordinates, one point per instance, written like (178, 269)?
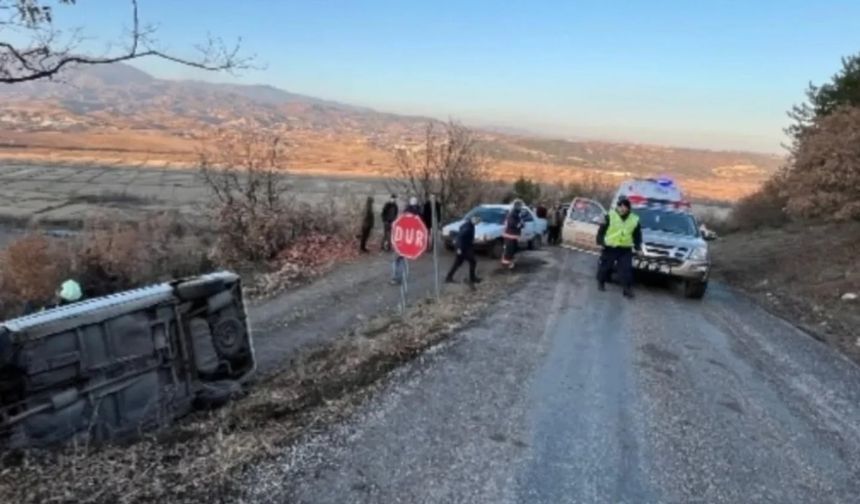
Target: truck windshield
(489, 215)
(670, 222)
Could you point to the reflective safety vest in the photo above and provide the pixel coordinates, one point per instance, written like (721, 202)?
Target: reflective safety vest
(620, 231)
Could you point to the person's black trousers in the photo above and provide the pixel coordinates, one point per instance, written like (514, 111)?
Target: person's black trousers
(386, 236)
(511, 245)
(466, 256)
(623, 257)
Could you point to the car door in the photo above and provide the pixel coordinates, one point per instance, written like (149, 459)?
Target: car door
(529, 223)
(583, 220)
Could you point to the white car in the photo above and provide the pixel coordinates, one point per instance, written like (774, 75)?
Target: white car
(488, 234)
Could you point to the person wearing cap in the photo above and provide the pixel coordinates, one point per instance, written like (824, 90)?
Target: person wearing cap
(619, 235)
(389, 214)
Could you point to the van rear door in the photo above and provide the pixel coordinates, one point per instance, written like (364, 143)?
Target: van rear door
(583, 220)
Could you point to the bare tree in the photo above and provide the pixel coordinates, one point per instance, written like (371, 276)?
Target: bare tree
(449, 164)
(33, 48)
(245, 174)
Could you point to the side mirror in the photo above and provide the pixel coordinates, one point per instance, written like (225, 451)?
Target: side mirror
(597, 220)
(709, 235)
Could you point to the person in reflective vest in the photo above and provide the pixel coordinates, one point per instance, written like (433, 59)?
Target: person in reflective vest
(620, 235)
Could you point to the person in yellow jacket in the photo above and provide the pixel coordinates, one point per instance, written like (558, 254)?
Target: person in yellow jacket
(620, 235)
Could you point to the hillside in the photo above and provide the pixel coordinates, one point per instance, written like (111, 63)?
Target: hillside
(120, 115)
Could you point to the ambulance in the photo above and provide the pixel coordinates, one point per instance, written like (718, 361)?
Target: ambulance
(672, 242)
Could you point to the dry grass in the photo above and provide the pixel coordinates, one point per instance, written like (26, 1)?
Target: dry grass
(801, 271)
(203, 458)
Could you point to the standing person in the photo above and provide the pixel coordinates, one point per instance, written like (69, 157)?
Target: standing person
(513, 230)
(399, 266)
(619, 236)
(389, 214)
(366, 223)
(427, 217)
(553, 225)
(466, 251)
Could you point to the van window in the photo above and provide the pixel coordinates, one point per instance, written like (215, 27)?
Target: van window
(583, 210)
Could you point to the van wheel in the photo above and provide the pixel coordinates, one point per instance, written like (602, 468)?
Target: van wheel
(228, 336)
(694, 289)
(497, 249)
(536, 243)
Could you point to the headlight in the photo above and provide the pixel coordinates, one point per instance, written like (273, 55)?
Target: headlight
(699, 254)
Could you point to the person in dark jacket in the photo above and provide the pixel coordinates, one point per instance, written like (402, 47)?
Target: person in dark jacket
(389, 213)
(366, 223)
(427, 217)
(466, 251)
(619, 235)
(513, 230)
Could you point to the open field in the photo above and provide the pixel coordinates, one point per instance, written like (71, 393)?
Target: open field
(65, 195)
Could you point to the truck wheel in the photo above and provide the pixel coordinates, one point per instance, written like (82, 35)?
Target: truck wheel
(497, 249)
(694, 289)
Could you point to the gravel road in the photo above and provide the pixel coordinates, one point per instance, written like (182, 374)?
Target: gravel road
(300, 320)
(564, 394)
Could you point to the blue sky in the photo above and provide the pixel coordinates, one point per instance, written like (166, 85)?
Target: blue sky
(718, 74)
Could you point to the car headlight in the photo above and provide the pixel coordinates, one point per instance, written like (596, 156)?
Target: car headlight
(699, 254)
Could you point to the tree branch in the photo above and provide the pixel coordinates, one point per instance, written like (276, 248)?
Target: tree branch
(42, 59)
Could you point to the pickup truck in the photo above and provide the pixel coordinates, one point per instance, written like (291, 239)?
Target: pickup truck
(673, 246)
(109, 368)
(488, 234)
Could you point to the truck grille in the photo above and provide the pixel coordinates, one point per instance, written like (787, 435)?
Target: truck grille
(669, 253)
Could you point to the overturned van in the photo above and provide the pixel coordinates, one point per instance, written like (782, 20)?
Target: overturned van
(112, 367)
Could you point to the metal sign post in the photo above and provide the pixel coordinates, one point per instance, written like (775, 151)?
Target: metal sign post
(409, 239)
(404, 284)
(435, 232)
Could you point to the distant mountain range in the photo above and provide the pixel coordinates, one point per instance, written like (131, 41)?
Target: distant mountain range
(120, 102)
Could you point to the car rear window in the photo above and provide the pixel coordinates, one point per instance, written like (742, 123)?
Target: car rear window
(489, 215)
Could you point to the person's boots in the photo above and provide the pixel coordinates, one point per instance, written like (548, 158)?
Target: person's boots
(601, 286)
(628, 293)
(449, 279)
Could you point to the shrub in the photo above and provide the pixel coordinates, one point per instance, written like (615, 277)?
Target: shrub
(31, 269)
(824, 177)
(250, 202)
(763, 208)
(104, 258)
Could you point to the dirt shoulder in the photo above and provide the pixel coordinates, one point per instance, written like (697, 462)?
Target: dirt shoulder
(319, 352)
(800, 272)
